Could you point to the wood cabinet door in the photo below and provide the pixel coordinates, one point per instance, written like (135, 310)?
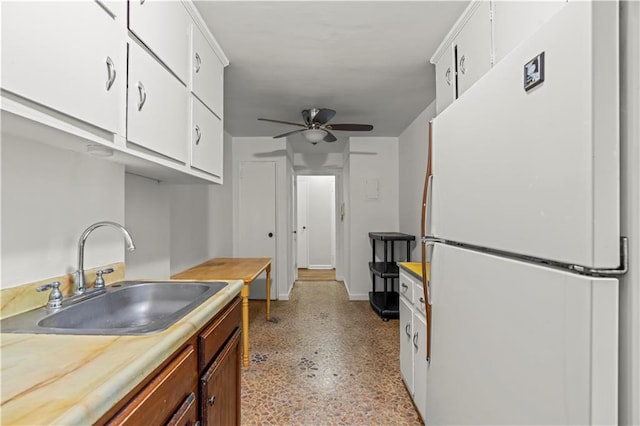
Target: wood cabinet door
(474, 47)
(158, 104)
(207, 73)
(68, 56)
(220, 387)
(207, 139)
(163, 26)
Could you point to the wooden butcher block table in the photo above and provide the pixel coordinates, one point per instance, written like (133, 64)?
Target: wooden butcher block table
(246, 269)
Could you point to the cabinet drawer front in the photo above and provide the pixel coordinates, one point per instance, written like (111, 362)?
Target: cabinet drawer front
(207, 72)
(206, 139)
(187, 414)
(163, 26)
(220, 387)
(213, 337)
(157, 402)
(406, 286)
(157, 107)
(65, 63)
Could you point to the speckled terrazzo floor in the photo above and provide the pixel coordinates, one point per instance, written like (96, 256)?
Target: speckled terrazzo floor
(323, 360)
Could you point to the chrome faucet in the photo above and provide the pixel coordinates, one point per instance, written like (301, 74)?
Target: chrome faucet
(81, 286)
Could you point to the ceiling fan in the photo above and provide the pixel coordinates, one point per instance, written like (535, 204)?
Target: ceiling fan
(315, 127)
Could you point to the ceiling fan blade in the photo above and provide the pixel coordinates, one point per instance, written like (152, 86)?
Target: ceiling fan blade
(329, 137)
(306, 116)
(324, 115)
(350, 127)
(282, 122)
(289, 133)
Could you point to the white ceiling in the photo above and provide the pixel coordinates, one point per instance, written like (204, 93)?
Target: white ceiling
(368, 60)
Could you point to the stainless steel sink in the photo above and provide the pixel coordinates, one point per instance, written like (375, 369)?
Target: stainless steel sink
(125, 308)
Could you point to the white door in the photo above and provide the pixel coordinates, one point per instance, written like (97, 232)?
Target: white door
(257, 218)
(518, 343)
(303, 234)
(321, 218)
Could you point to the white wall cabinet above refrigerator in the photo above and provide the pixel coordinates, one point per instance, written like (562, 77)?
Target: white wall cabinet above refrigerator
(207, 73)
(483, 35)
(206, 139)
(74, 66)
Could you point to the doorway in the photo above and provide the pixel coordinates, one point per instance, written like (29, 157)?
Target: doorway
(316, 222)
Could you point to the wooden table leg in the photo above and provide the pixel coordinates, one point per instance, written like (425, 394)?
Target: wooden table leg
(269, 292)
(245, 324)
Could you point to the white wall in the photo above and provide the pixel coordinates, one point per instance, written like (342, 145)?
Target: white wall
(413, 144)
(371, 159)
(318, 162)
(148, 219)
(178, 226)
(629, 377)
(275, 150)
(49, 197)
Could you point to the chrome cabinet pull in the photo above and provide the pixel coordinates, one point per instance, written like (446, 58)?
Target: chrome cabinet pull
(422, 300)
(404, 286)
(142, 95)
(415, 340)
(407, 329)
(447, 76)
(462, 68)
(211, 400)
(142, 2)
(198, 134)
(198, 62)
(111, 73)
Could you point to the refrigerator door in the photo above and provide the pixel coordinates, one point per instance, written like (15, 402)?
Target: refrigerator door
(516, 343)
(537, 172)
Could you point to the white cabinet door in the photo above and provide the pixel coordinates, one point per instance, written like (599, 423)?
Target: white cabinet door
(406, 343)
(420, 363)
(515, 21)
(206, 140)
(158, 107)
(163, 26)
(445, 80)
(68, 56)
(474, 47)
(207, 73)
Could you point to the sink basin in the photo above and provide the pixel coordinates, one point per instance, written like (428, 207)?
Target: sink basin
(125, 308)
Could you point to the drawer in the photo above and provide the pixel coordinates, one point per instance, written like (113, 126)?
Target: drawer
(187, 414)
(419, 301)
(211, 340)
(405, 287)
(160, 399)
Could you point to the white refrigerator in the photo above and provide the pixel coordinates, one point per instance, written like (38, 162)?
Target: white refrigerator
(523, 234)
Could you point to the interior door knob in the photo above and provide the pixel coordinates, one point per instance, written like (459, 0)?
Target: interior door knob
(304, 227)
(270, 234)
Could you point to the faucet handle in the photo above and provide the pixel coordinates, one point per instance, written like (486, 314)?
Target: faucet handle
(55, 297)
(99, 280)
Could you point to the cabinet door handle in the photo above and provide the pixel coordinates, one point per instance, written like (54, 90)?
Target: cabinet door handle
(211, 400)
(111, 73)
(447, 76)
(198, 134)
(198, 62)
(415, 340)
(462, 68)
(421, 300)
(404, 286)
(142, 2)
(407, 329)
(142, 95)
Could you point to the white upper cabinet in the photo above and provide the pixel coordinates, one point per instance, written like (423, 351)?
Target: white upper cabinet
(67, 56)
(163, 26)
(472, 47)
(207, 73)
(445, 79)
(158, 106)
(207, 140)
(515, 21)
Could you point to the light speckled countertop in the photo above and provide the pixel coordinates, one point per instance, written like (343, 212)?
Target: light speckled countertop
(56, 379)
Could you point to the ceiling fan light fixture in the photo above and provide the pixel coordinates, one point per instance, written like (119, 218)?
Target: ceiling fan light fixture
(314, 135)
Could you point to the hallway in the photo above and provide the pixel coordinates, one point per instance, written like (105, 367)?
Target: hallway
(323, 360)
